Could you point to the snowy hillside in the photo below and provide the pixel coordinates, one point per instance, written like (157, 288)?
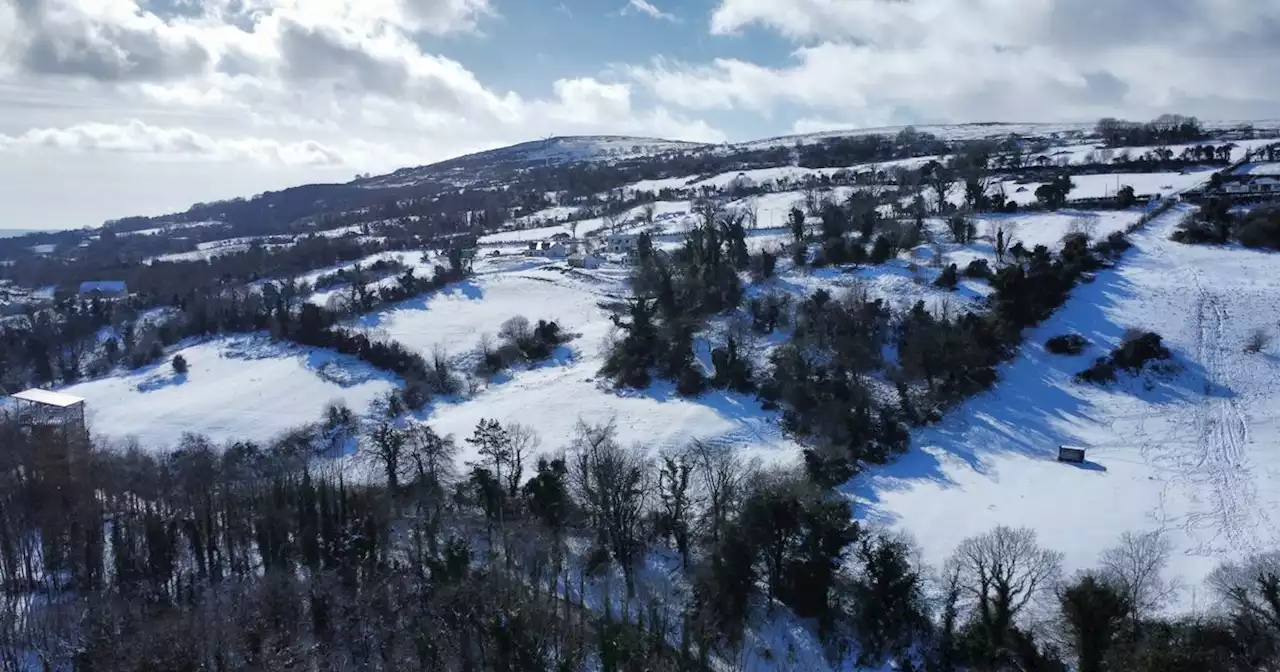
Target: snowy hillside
(551, 151)
(1189, 453)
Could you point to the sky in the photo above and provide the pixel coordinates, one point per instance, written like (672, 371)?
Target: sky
(111, 108)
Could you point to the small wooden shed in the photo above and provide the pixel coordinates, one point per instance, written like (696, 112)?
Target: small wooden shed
(1071, 454)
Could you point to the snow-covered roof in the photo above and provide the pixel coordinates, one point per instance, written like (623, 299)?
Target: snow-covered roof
(48, 398)
(104, 286)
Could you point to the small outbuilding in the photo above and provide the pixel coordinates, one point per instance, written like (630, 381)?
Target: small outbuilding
(1071, 455)
(106, 288)
(584, 261)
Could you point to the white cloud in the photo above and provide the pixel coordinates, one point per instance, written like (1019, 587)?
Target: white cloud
(892, 61)
(312, 85)
(647, 8)
(144, 140)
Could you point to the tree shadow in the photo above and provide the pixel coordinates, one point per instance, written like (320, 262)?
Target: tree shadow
(161, 381)
(1037, 405)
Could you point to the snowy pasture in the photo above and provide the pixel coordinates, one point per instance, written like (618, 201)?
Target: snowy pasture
(1186, 452)
(237, 388)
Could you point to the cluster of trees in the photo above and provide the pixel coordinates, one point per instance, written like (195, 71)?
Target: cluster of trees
(262, 556)
(1215, 224)
(1166, 130)
(1053, 195)
(1136, 350)
(359, 274)
(75, 336)
(519, 341)
(673, 294)
(851, 151)
(825, 376)
(44, 346)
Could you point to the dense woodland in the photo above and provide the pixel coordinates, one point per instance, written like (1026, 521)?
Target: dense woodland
(590, 555)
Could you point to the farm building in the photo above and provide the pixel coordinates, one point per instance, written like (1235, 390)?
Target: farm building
(585, 261)
(105, 288)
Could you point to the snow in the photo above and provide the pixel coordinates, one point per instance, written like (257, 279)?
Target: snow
(241, 388)
(1103, 185)
(1259, 169)
(1185, 453)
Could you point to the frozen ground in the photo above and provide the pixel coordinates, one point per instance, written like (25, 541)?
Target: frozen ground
(1187, 453)
(555, 395)
(244, 387)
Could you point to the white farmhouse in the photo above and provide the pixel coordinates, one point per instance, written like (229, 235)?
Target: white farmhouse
(622, 243)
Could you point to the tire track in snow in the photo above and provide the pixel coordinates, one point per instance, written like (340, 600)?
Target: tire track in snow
(1221, 434)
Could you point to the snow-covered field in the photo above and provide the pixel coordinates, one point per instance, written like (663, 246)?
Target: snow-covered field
(1188, 453)
(1259, 169)
(245, 387)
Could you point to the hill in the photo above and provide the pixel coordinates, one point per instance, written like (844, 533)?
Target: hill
(863, 315)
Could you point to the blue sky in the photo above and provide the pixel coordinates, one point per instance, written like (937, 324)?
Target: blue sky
(111, 108)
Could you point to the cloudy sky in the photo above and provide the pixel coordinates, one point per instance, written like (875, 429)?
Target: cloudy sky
(118, 107)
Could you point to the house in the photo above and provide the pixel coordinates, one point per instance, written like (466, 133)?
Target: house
(585, 261)
(547, 249)
(622, 243)
(1251, 185)
(104, 288)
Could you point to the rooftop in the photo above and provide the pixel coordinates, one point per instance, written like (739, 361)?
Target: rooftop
(47, 398)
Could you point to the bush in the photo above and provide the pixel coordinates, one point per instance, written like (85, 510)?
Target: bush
(1101, 372)
(978, 268)
(882, 250)
(948, 278)
(1138, 349)
(1114, 245)
(180, 365)
(1258, 340)
(1260, 229)
(799, 254)
(762, 265)
(1066, 344)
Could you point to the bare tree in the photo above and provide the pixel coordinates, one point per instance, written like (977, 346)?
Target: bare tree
(1137, 565)
(812, 200)
(943, 182)
(430, 459)
(612, 487)
(751, 216)
(1084, 225)
(647, 212)
(1250, 590)
(524, 443)
(1000, 573)
(385, 446)
(721, 478)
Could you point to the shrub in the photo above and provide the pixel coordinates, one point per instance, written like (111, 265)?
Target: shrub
(1066, 344)
(948, 278)
(1260, 229)
(1101, 372)
(762, 265)
(1135, 351)
(1138, 349)
(882, 250)
(799, 254)
(1114, 245)
(1258, 340)
(180, 365)
(978, 268)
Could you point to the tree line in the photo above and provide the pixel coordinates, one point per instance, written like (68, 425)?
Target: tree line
(592, 555)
